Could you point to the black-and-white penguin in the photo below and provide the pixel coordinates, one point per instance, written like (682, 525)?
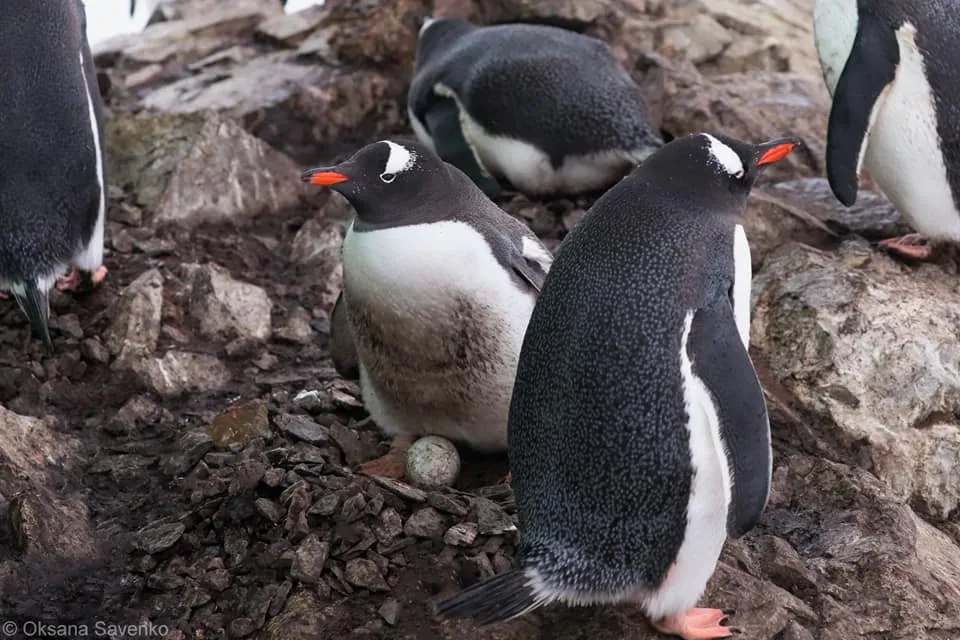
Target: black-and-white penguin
(892, 69)
(438, 287)
(53, 194)
(549, 110)
(638, 431)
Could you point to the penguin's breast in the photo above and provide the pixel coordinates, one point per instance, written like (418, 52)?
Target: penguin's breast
(432, 298)
(903, 152)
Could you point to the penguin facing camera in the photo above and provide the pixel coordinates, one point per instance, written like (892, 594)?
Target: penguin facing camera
(438, 287)
(891, 70)
(53, 196)
(549, 110)
(639, 442)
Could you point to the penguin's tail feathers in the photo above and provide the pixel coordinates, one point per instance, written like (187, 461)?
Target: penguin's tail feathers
(35, 304)
(495, 599)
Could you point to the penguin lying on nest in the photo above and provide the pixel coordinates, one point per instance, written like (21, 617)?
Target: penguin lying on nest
(53, 196)
(549, 110)
(438, 287)
(638, 431)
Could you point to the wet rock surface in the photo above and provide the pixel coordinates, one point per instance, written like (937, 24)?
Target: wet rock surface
(188, 455)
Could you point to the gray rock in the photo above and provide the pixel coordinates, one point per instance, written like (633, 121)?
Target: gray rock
(309, 560)
(390, 611)
(199, 167)
(868, 347)
(159, 537)
(179, 372)
(225, 308)
(47, 521)
(463, 534)
(425, 523)
(297, 328)
(302, 428)
(135, 330)
(364, 574)
(491, 519)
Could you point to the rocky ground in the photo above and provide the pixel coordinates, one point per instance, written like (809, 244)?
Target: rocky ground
(185, 458)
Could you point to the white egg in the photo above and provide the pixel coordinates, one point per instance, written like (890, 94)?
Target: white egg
(433, 462)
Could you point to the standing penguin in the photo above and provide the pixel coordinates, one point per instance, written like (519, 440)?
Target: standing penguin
(639, 436)
(550, 110)
(891, 68)
(53, 180)
(438, 287)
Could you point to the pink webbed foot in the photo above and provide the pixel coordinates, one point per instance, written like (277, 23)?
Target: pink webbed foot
(392, 464)
(4, 295)
(76, 281)
(508, 478)
(913, 246)
(698, 624)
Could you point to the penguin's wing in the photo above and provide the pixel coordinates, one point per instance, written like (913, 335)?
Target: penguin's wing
(719, 358)
(870, 68)
(518, 249)
(442, 120)
(343, 351)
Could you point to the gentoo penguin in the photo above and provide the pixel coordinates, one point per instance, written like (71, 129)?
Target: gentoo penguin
(53, 182)
(638, 432)
(891, 69)
(549, 110)
(438, 287)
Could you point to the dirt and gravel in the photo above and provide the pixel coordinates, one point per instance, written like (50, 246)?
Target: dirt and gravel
(185, 459)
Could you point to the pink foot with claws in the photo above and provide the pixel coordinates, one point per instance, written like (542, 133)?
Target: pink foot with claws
(913, 246)
(393, 464)
(4, 295)
(698, 624)
(74, 280)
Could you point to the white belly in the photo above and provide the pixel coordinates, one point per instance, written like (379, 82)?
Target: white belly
(421, 285)
(710, 494)
(903, 153)
(530, 170)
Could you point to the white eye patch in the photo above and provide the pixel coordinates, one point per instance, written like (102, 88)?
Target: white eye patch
(724, 156)
(399, 160)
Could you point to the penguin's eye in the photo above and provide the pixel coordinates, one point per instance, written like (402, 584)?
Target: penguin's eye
(388, 177)
(738, 174)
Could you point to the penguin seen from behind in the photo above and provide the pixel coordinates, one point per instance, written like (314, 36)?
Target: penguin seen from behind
(638, 431)
(438, 287)
(549, 110)
(53, 194)
(892, 70)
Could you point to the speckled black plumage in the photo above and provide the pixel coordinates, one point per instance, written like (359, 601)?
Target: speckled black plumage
(49, 194)
(598, 438)
(561, 91)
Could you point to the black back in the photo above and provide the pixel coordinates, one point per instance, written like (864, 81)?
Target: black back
(597, 432)
(49, 195)
(559, 90)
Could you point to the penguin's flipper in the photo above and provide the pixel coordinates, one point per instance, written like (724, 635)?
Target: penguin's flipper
(869, 70)
(531, 261)
(720, 360)
(35, 304)
(442, 120)
(495, 599)
(343, 351)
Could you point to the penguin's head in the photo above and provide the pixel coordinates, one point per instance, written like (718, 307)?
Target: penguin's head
(438, 34)
(384, 180)
(719, 163)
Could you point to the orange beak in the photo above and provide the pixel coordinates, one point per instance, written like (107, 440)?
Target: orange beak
(323, 177)
(777, 150)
